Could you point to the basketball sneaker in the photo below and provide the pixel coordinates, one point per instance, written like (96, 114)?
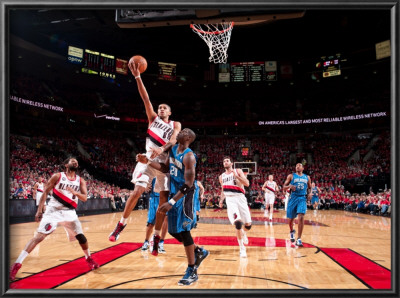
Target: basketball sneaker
(189, 277)
(292, 235)
(245, 239)
(199, 255)
(14, 269)
(156, 240)
(92, 263)
(298, 242)
(243, 253)
(161, 249)
(115, 234)
(145, 245)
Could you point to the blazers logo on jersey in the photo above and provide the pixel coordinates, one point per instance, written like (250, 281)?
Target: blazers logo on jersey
(63, 178)
(47, 227)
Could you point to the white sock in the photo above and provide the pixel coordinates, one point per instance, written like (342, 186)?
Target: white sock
(240, 241)
(123, 220)
(157, 232)
(86, 252)
(22, 256)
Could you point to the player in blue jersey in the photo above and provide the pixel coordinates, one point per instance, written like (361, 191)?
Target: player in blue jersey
(151, 219)
(181, 206)
(315, 191)
(300, 185)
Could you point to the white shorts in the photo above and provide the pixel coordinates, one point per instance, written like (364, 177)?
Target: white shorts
(38, 196)
(144, 174)
(269, 198)
(238, 208)
(66, 218)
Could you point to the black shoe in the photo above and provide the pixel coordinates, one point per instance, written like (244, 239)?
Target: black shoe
(199, 256)
(115, 234)
(156, 240)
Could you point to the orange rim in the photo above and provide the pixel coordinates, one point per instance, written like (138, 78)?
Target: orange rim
(212, 32)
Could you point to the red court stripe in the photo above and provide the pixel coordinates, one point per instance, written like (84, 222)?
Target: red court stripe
(369, 272)
(56, 276)
(232, 241)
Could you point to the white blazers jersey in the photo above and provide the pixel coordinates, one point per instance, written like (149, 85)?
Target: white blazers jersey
(39, 192)
(40, 187)
(158, 134)
(270, 187)
(230, 185)
(61, 196)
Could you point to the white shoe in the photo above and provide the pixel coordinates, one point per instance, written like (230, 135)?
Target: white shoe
(243, 253)
(244, 237)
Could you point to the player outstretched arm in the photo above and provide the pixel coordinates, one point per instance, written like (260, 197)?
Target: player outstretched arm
(34, 190)
(309, 188)
(287, 184)
(48, 187)
(81, 195)
(222, 197)
(201, 190)
(239, 175)
(151, 114)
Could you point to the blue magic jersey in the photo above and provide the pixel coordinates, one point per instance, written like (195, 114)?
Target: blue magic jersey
(314, 191)
(177, 168)
(301, 183)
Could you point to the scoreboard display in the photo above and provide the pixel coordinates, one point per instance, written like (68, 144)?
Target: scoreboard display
(257, 71)
(247, 71)
(107, 66)
(331, 66)
(166, 71)
(99, 64)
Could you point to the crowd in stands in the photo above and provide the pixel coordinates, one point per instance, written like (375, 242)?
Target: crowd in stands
(328, 161)
(27, 165)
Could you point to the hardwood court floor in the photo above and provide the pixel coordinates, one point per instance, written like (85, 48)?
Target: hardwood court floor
(342, 250)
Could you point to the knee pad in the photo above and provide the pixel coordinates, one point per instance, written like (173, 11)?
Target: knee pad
(238, 224)
(81, 238)
(177, 236)
(248, 228)
(187, 238)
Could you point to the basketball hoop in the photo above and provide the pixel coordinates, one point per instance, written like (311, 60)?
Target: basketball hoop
(217, 37)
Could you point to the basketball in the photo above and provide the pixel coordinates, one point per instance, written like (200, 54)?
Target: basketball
(139, 59)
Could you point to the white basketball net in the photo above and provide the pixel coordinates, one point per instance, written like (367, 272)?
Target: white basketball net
(217, 37)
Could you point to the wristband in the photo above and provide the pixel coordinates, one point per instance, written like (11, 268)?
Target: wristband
(162, 149)
(171, 202)
(184, 189)
(137, 77)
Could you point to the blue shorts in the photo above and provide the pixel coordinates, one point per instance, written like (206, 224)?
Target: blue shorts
(314, 200)
(153, 206)
(181, 217)
(296, 205)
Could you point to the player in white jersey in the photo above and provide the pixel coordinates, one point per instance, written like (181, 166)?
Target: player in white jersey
(161, 136)
(233, 182)
(67, 189)
(38, 190)
(269, 188)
